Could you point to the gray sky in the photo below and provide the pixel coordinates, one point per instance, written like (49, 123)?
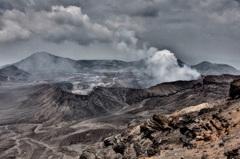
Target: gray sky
(195, 30)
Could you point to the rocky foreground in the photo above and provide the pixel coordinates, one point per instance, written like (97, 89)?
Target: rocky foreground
(206, 131)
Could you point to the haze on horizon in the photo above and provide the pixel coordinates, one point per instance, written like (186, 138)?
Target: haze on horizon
(206, 30)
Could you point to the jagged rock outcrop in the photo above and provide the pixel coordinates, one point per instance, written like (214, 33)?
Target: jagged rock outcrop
(208, 130)
(160, 90)
(221, 79)
(235, 89)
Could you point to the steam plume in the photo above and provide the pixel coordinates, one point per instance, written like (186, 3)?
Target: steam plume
(162, 66)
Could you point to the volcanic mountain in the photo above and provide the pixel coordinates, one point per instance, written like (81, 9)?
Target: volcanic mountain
(207, 68)
(13, 73)
(42, 118)
(43, 62)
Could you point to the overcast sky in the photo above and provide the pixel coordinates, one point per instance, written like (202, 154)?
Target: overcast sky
(195, 30)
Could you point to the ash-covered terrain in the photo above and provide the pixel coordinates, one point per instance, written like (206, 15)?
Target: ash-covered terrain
(53, 107)
(81, 76)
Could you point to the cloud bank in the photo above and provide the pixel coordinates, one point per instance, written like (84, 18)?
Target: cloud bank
(59, 24)
(194, 30)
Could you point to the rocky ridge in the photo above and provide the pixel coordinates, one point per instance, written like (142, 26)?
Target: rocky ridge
(12, 73)
(208, 130)
(53, 104)
(208, 68)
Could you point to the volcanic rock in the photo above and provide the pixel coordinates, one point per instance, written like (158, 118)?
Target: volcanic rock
(207, 130)
(235, 89)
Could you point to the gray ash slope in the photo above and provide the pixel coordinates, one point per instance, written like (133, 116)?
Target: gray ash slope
(48, 103)
(43, 62)
(12, 73)
(49, 121)
(207, 68)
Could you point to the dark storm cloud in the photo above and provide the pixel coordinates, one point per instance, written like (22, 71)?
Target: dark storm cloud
(62, 24)
(194, 29)
(5, 5)
(58, 25)
(36, 4)
(144, 8)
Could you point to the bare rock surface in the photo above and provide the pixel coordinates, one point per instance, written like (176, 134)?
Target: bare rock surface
(208, 130)
(235, 89)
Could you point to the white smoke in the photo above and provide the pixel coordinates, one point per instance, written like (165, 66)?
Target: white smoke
(162, 66)
(127, 41)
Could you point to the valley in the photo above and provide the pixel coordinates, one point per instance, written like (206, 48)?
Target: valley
(52, 122)
(60, 112)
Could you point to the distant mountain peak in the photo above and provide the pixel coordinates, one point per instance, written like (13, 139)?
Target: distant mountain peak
(205, 63)
(41, 55)
(208, 68)
(44, 62)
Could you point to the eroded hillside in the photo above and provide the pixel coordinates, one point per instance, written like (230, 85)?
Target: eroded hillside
(40, 121)
(208, 130)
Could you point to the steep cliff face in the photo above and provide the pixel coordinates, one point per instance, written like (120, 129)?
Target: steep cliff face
(208, 130)
(160, 90)
(50, 103)
(235, 89)
(221, 79)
